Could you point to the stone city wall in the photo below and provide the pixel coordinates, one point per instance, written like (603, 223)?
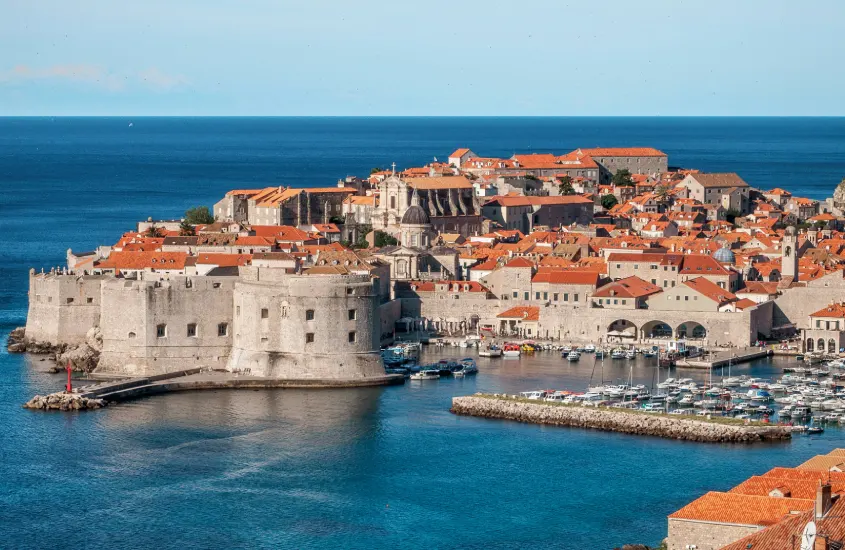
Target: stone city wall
(145, 324)
(704, 535)
(303, 327)
(62, 307)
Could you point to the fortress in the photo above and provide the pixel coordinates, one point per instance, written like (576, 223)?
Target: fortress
(265, 322)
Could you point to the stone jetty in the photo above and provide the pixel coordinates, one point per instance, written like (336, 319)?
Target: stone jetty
(716, 430)
(64, 401)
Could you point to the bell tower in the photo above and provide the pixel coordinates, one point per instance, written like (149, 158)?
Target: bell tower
(789, 262)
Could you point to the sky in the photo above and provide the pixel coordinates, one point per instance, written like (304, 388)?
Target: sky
(414, 58)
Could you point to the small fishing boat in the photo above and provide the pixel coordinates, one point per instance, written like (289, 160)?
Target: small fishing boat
(468, 366)
(590, 348)
(617, 354)
(573, 356)
(511, 350)
(815, 430)
(428, 374)
(631, 354)
(490, 351)
(600, 354)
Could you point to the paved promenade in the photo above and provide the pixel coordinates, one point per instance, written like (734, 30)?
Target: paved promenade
(721, 359)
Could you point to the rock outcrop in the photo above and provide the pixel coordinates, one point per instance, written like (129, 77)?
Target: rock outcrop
(632, 422)
(63, 401)
(82, 357)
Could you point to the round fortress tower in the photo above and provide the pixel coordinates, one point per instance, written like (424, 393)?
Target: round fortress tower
(306, 327)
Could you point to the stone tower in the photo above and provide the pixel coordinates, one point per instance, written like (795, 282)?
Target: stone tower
(789, 262)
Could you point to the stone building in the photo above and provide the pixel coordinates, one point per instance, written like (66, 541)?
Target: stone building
(826, 330)
(283, 206)
(727, 190)
(637, 160)
(449, 201)
(524, 213)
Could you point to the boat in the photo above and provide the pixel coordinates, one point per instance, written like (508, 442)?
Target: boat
(428, 374)
(590, 348)
(617, 354)
(600, 354)
(490, 351)
(573, 356)
(631, 354)
(537, 395)
(511, 350)
(815, 430)
(648, 354)
(468, 366)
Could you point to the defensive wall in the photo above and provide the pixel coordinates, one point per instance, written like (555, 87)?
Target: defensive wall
(62, 307)
(154, 327)
(306, 326)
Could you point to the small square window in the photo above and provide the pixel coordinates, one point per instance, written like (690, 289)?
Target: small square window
(89, 300)
(161, 331)
(70, 300)
(265, 313)
(352, 337)
(223, 329)
(353, 314)
(516, 294)
(309, 314)
(192, 330)
(309, 337)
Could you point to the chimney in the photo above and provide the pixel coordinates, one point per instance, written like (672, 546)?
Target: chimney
(821, 543)
(823, 500)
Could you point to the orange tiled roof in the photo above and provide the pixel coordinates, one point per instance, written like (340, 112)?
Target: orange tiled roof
(794, 488)
(734, 508)
(459, 153)
(622, 152)
(834, 310)
(630, 287)
(711, 290)
(144, 260)
(525, 313)
(520, 262)
(224, 260)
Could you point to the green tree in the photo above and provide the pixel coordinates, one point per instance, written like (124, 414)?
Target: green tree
(336, 220)
(383, 239)
(199, 215)
(731, 215)
(609, 201)
(661, 193)
(622, 178)
(565, 186)
(186, 229)
(376, 169)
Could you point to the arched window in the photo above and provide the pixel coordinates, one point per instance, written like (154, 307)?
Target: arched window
(809, 344)
(831, 346)
(820, 344)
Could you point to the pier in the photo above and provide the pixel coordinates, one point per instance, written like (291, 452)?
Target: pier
(724, 358)
(701, 429)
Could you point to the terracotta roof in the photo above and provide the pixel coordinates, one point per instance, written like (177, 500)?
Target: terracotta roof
(759, 287)
(646, 257)
(700, 264)
(727, 179)
(711, 290)
(459, 153)
(439, 182)
(520, 200)
(224, 260)
(488, 265)
(255, 241)
(795, 473)
(281, 232)
(520, 262)
(739, 509)
(787, 533)
(630, 287)
(622, 152)
(144, 260)
(525, 313)
(567, 278)
(832, 310)
(823, 463)
(796, 488)
(745, 303)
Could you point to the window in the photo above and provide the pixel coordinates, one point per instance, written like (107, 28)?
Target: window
(686, 298)
(309, 314)
(624, 302)
(265, 313)
(309, 337)
(555, 296)
(161, 331)
(350, 291)
(615, 302)
(70, 300)
(618, 266)
(89, 300)
(636, 266)
(516, 294)
(352, 337)
(545, 295)
(352, 315)
(238, 311)
(575, 297)
(223, 329)
(565, 296)
(536, 295)
(526, 295)
(654, 281)
(818, 323)
(192, 330)
(132, 335)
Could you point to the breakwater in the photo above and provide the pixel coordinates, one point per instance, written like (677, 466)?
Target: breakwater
(64, 401)
(715, 430)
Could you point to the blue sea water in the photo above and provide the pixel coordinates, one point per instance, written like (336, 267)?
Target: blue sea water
(369, 468)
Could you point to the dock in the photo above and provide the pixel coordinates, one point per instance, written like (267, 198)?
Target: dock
(721, 359)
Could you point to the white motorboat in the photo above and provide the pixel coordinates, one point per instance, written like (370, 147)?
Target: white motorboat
(573, 356)
(590, 348)
(428, 374)
(631, 354)
(617, 354)
(533, 395)
(511, 350)
(490, 351)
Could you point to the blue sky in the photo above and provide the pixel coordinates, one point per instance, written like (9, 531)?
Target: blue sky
(456, 57)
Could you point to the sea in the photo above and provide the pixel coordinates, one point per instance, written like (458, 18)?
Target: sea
(360, 468)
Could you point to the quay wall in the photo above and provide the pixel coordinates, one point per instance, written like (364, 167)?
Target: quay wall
(62, 308)
(615, 421)
(146, 325)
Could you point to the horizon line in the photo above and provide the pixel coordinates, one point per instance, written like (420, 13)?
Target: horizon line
(417, 116)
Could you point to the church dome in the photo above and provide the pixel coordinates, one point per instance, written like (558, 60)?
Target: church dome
(415, 215)
(839, 194)
(724, 256)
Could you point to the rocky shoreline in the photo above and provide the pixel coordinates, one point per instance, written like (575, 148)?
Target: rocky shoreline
(631, 422)
(63, 401)
(83, 357)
